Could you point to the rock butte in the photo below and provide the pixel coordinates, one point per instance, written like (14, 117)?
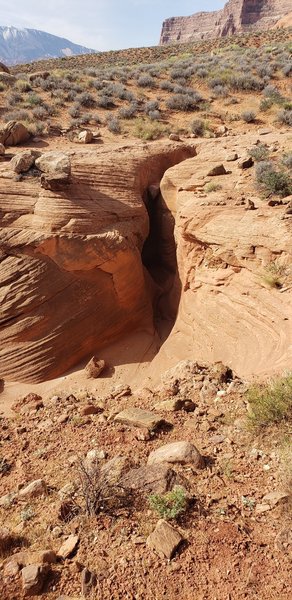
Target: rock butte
(87, 265)
(236, 16)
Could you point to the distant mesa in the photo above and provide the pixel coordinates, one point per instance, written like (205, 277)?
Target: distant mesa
(237, 16)
(27, 45)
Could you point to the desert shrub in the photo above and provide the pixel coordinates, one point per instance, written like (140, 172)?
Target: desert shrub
(287, 160)
(74, 111)
(220, 91)
(86, 99)
(273, 274)
(248, 116)
(287, 70)
(272, 92)
(198, 127)
(151, 105)
(212, 187)
(171, 504)
(35, 127)
(90, 72)
(154, 115)
(147, 130)
(266, 104)
(259, 153)
(285, 117)
(71, 95)
(273, 181)
(114, 125)
(146, 81)
(128, 112)
(167, 86)
(98, 85)
(104, 101)
(270, 403)
(17, 115)
(202, 73)
(34, 99)
(183, 102)
(14, 98)
(246, 83)
(22, 86)
(40, 112)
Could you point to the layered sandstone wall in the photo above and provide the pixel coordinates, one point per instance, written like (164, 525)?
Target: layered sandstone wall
(235, 17)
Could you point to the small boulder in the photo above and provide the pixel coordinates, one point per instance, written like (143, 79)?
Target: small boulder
(217, 170)
(85, 137)
(54, 162)
(176, 452)
(14, 133)
(165, 540)
(231, 157)
(23, 161)
(139, 418)
(68, 547)
(174, 137)
(95, 367)
(156, 479)
(33, 579)
(34, 489)
(245, 162)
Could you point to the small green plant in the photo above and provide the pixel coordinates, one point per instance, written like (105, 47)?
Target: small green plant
(273, 275)
(259, 152)
(270, 403)
(248, 116)
(171, 504)
(212, 187)
(27, 513)
(149, 130)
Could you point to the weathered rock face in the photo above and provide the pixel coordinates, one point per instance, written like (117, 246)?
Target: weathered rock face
(71, 277)
(236, 16)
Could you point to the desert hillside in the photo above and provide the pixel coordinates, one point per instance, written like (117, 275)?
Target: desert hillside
(146, 310)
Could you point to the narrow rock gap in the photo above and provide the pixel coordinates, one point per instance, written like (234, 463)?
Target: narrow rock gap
(160, 262)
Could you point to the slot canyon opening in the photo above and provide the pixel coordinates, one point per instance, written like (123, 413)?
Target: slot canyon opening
(159, 259)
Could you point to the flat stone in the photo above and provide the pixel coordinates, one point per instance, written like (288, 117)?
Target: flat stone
(69, 547)
(165, 540)
(150, 478)
(262, 508)
(171, 405)
(139, 418)
(33, 579)
(34, 489)
(176, 452)
(274, 498)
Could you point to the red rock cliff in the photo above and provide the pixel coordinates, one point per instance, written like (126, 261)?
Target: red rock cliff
(236, 16)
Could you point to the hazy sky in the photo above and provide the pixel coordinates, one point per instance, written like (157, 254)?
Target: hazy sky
(100, 24)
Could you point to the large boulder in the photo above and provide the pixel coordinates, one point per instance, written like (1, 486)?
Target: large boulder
(55, 168)
(7, 78)
(23, 161)
(14, 133)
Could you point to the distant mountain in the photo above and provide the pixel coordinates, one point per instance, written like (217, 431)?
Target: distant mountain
(27, 45)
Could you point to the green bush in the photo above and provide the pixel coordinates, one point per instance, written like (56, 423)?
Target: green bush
(272, 181)
(169, 505)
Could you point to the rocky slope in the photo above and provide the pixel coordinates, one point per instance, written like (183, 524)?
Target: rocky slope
(26, 45)
(236, 16)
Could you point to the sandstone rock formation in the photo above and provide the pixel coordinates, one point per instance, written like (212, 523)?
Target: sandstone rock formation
(72, 279)
(236, 16)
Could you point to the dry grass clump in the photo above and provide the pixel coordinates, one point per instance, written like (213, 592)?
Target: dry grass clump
(271, 402)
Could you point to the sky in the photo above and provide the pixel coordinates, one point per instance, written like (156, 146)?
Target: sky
(101, 24)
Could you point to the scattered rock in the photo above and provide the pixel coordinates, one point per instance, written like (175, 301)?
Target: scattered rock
(93, 457)
(177, 452)
(85, 137)
(220, 130)
(165, 540)
(174, 137)
(121, 390)
(150, 478)
(139, 418)
(69, 547)
(245, 162)
(217, 170)
(38, 75)
(23, 161)
(112, 470)
(90, 409)
(274, 498)
(231, 157)
(34, 489)
(88, 582)
(95, 367)
(33, 579)
(14, 133)
(5, 539)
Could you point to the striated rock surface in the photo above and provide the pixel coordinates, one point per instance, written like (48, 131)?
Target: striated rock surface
(72, 279)
(236, 16)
